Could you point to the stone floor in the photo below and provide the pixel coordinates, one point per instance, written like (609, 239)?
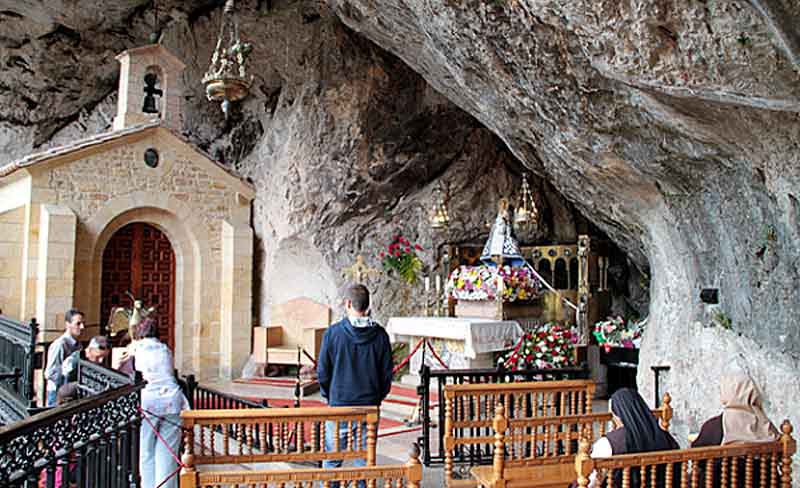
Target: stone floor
(394, 443)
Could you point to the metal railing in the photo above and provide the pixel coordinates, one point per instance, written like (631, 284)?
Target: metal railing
(90, 442)
(206, 398)
(444, 377)
(17, 357)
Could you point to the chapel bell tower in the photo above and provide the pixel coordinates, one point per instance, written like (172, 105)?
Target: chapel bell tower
(150, 88)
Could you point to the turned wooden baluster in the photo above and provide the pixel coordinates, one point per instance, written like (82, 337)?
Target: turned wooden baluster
(748, 471)
(773, 471)
(448, 436)
(666, 411)
(188, 476)
(789, 448)
(500, 424)
(372, 438)
(225, 440)
(414, 468)
(724, 472)
(583, 462)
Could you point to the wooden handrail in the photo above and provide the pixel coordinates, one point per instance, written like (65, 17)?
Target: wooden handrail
(556, 385)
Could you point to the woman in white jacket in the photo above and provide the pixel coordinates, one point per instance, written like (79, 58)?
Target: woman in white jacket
(162, 403)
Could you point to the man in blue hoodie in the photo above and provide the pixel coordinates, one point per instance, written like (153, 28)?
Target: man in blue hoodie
(354, 367)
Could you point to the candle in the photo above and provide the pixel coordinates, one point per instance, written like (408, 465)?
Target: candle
(438, 284)
(427, 284)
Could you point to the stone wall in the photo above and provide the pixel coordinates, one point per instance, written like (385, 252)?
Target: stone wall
(12, 229)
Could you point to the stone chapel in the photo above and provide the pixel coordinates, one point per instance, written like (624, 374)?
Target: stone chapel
(138, 209)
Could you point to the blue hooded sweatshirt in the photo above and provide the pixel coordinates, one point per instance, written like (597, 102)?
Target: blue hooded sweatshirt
(355, 364)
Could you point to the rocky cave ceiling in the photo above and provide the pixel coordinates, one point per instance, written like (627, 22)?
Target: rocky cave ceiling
(671, 124)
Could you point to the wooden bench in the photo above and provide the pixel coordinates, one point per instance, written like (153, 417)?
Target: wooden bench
(750, 464)
(271, 435)
(408, 475)
(470, 410)
(544, 448)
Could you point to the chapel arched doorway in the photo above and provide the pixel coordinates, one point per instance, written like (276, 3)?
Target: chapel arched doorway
(139, 259)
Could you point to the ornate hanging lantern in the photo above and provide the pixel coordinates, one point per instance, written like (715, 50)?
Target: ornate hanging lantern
(226, 80)
(440, 218)
(526, 214)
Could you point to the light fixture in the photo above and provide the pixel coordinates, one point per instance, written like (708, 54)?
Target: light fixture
(439, 218)
(226, 80)
(526, 215)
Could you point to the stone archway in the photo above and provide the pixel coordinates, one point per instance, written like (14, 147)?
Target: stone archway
(139, 259)
(192, 257)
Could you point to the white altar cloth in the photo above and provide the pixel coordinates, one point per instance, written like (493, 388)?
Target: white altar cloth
(460, 342)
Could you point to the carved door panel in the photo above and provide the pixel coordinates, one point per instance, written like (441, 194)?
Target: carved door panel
(139, 259)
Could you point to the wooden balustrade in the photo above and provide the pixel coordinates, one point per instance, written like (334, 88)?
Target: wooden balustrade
(277, 435)
(470, 411)
(549, 443)
(408, 475)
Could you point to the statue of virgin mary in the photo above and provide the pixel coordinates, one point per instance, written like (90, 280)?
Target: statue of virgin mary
(502, 245)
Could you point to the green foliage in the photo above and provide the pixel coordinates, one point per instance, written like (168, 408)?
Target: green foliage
(722, 320)
(401, 256)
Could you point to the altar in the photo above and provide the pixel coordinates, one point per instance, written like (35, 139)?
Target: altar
(461, 343)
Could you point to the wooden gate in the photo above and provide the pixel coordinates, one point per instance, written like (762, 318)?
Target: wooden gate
(139, 259)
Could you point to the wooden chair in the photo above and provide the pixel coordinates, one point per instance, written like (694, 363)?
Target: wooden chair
(540, 452)
(297, 325)
(469, 413)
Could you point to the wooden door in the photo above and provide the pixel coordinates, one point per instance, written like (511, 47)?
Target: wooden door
(139, 259)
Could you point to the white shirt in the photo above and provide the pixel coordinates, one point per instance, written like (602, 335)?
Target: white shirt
(162, 395)
(600, 449)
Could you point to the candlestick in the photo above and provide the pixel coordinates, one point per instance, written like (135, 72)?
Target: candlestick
(427, 284)
(438, 285)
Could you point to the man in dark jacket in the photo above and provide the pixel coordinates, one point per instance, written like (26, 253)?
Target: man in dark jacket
(354, 367)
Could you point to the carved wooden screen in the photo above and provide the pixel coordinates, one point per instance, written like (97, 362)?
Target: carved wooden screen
(139, 259)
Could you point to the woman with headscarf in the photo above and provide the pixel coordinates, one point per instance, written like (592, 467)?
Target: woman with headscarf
(637, 430)
(742, 420)
(162, 403)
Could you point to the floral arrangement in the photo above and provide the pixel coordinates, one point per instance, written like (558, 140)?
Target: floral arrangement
(548, 346)
(614, 332)
(481, 283)
(401, 256)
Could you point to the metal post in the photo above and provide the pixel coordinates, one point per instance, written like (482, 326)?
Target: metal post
(657, 373)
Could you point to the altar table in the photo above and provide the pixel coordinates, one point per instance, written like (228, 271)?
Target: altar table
(462, 343)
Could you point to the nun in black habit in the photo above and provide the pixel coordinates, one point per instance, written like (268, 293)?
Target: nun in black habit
(636, 430)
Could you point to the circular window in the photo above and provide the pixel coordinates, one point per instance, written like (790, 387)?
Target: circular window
(151, 157)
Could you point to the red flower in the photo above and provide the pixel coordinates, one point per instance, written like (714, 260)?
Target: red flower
(417, 247)
(383, 254)
(397, 254)
(408, 249)
(396, 237)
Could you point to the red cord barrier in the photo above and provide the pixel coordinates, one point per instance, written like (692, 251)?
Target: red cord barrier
(433, 351)
(407, 358)
(514, 353)
(309, 356)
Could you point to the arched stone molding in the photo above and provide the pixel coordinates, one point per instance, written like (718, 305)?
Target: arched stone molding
(193, 266)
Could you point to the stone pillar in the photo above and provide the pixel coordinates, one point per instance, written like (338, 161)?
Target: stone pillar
(55, 268)
(237, 277)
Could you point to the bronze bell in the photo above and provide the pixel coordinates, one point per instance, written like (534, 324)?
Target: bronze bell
(150, 91)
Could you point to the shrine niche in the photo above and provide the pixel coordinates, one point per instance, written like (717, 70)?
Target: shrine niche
(560, 265)
(137, 209)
